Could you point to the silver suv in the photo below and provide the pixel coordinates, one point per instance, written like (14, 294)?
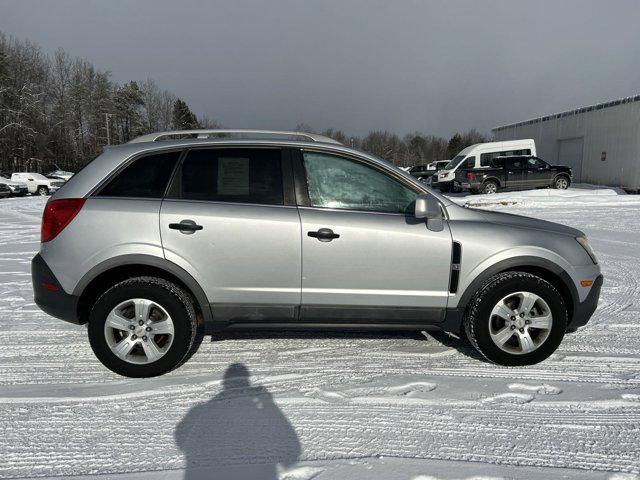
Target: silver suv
(174, 231)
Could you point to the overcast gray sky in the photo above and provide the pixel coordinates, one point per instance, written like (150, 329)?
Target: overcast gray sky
(434, 66)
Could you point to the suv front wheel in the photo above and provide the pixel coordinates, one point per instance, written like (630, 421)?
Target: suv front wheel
(142, 327)
(561, 182)
(516, 318)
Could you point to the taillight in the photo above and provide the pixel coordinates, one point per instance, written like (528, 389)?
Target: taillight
(470, 177)
(57, 215)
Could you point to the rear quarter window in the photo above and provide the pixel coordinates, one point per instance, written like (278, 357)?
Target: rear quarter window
(145, 177)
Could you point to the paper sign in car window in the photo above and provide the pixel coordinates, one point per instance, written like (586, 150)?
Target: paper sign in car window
(233, 176)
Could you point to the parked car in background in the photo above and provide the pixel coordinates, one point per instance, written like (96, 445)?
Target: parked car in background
(424, 172)
(438, 164)
(60, 175)
(138, 246)
(477, 156)
(37, 183)
(4, 191)
(420, 171)
(17, 189)
(514, 173)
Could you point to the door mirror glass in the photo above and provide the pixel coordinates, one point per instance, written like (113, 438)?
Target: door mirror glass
(427, 207)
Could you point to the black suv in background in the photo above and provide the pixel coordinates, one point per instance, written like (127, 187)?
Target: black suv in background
(514, 173)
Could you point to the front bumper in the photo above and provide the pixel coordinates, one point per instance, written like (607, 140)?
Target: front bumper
(49, 294)
(583, 311)
(19, 192)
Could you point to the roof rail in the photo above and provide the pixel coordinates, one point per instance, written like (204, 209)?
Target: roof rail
(154, 137)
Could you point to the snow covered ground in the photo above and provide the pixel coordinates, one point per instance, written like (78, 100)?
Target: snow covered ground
(331, 406)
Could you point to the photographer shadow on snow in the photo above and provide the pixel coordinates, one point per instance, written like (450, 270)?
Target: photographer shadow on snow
(240, 434)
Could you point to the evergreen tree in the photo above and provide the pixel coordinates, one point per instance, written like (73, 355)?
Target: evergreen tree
(455, 145)
(183, 117)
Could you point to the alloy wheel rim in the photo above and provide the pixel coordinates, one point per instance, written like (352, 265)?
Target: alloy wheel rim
(139, 331)
(490, 188)
(562, 183)
(520, 323)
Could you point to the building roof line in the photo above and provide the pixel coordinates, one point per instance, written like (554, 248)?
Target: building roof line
(590, 108)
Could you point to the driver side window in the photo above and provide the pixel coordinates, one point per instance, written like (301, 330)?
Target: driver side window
(534, 162)
(342, 183)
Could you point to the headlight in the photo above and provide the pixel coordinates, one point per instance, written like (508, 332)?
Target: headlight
(443, 175)
(585, 244)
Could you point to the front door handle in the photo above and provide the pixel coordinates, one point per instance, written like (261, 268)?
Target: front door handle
(185, 226)
(324, 235)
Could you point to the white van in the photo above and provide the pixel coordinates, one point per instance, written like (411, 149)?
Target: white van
(478, 156)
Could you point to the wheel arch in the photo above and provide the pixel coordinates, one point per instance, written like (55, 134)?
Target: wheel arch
(549, 271)
(561, 174)
(114, 270)
(496, 180)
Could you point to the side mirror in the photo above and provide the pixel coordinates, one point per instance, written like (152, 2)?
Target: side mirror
(427, 207)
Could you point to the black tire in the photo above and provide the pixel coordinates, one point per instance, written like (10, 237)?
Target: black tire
(477, 316)
(561, 182)
(43, 190)
(489, 187)
(172, 298)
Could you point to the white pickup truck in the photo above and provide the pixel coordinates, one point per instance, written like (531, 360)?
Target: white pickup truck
(37, 183)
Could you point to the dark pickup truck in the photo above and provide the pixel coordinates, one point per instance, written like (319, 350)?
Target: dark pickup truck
(514, 173)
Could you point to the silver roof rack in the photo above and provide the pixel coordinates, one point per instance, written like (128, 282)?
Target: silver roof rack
(170, 135)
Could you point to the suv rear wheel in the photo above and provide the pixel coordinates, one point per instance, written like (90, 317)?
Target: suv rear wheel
(142, 327)
(43, 190)
(489, 187)
(516, 318)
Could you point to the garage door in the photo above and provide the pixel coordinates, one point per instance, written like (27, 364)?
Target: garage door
(570, 154)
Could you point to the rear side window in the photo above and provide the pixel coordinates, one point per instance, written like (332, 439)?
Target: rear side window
(515, 163)
(485, 158)
(146, 177)
(239, 175)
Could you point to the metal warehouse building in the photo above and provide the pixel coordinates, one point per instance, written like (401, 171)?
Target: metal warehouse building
(601, 143)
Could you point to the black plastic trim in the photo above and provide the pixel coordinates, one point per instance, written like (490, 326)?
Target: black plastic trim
(57, 303)
(513, 264)
(582, 312)
(456, 256)
(336, 314)
(454, 316)
(300, 179)
(149, 260)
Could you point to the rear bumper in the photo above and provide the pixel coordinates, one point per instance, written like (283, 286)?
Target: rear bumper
(583, 311)
(49, 294)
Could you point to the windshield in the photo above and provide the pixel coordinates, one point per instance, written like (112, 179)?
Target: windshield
(455, 162)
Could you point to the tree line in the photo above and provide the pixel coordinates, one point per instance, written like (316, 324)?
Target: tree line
(62, 109)
(414, 148)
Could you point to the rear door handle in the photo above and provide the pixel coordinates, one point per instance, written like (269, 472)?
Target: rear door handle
(324, 235)
(185, 226)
